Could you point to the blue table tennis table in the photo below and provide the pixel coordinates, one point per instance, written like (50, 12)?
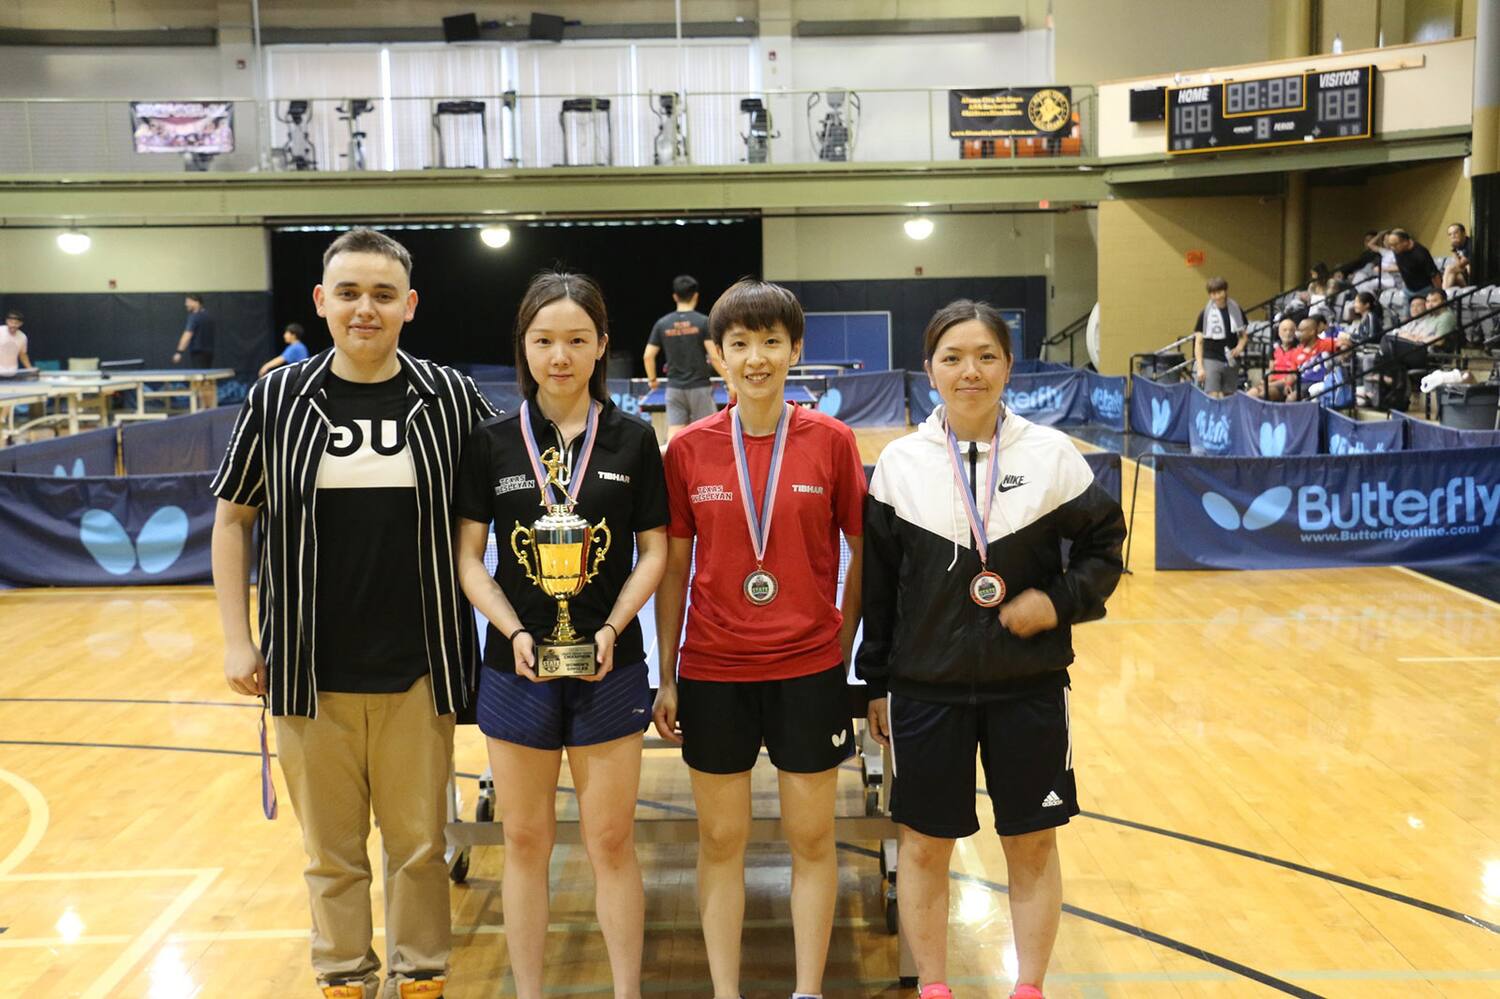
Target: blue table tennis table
(795, 393)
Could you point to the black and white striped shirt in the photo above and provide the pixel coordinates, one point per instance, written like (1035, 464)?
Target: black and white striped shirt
(272, 463)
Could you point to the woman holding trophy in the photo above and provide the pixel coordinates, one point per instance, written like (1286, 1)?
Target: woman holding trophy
(577, 497)
(968, 604)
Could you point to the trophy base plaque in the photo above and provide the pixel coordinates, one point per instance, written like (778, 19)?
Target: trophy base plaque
(571, 659)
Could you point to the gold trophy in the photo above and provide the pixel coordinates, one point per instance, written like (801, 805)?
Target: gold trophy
(561, 544)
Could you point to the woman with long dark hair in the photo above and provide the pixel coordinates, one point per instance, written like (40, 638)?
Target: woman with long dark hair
(613, 472)
(967, 611)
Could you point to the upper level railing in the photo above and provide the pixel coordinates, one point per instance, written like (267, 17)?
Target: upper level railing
(511, 130)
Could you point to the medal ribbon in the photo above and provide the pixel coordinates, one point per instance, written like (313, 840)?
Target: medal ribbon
(579, 468)
(267, 786)
(759, 523)
(978, 525)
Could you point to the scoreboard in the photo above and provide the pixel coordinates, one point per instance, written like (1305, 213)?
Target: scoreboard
(1332, 106)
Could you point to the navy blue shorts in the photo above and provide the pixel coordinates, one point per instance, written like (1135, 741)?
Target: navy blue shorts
(564, 712)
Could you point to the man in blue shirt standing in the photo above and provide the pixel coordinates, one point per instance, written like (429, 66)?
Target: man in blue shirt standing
(197, 344)
(295, 350)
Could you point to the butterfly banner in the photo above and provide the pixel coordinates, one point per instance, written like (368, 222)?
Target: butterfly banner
(1159, 411)
(1356, 509)
(141, 529)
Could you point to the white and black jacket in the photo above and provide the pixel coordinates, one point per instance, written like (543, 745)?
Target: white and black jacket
(923, 636)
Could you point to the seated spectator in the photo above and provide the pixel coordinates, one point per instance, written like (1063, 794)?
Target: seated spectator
(1365, 325)
(1281, 381)
(1418, 271)
(1313, 365)
(1442, 323)
(295, 350)
(1317, 273)
(1317, 293)
(1432, 323)
(1458, 273)
(13, 356)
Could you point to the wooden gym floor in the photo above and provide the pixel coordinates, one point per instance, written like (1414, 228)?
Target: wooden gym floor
(1291, 784)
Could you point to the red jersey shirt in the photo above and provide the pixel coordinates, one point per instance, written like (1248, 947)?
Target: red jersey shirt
(822, 492)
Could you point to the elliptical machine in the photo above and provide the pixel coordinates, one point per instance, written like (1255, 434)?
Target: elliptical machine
(757, 135)
(349, 112)
(833, 137)
(298, 152)
(671, 144)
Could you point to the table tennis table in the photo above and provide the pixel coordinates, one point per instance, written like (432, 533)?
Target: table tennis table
(156, 383)
(14, 395)
(797, 393)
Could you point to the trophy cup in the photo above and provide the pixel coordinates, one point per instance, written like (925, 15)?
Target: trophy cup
(565, 553)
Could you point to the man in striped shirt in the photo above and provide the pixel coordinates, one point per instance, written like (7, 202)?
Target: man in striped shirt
(367, 648)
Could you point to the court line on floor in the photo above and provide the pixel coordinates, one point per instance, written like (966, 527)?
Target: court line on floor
(1292, 865)
(152, 935)
(1141, 826)
(1445, 585)
(129, 700)
(1161, 940)
(37, 817)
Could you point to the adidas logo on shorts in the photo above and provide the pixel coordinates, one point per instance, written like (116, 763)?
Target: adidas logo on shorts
(1052, 800)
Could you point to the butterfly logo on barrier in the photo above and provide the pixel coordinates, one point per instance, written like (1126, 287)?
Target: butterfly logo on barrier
(1161, 416)
(1272, 440)
(1339, 444)
(1265, 510)
(59, 472)
(830, 402)
(158, 545)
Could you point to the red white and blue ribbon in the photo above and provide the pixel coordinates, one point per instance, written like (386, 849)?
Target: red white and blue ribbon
(759, 522)
(579, 468)
(267, 786)
(979, 524)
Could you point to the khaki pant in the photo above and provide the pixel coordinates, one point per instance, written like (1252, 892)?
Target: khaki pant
(389, 752)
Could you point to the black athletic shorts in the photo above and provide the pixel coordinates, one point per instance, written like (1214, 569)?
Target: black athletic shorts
(1027, 751)
(804, 722)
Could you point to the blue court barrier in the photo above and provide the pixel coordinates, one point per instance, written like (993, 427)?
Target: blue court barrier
(1106, 466)
(1034, 366)
(921, 397)
(1159, 411)
(1210, 424)
(192, 443)
(1106, 400)
(504, 396)
(869, 399)
(1272, 429)
(1051, 398)
(627, 393)
(138, 529)
(89, 453)
(1424, 436)
(1240, 426)
(1314, 511)
(1344, 435)
(498, 373)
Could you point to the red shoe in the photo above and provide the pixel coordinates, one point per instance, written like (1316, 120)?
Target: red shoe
(935, 990)
(1027, 992)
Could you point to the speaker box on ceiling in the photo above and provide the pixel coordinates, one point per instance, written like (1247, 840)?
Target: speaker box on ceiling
(546, 28)
(461, 28)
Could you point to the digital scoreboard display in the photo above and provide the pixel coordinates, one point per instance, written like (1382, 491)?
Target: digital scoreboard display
(1333, 106)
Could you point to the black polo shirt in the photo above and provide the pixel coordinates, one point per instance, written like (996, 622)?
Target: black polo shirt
(625, 486)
